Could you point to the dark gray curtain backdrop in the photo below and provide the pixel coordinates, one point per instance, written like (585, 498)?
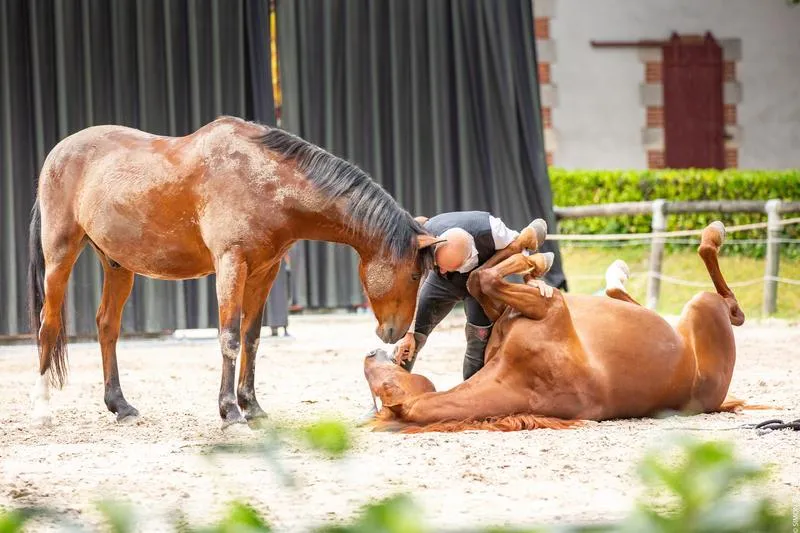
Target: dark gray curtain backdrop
(165, 66)
(437, 100)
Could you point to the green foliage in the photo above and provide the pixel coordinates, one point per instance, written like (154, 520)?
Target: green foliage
(240, 518)
(329, 436)
(701, 480)
(397, 514)
(13, 521)
(691, 487)
(584, 187)
(119, 516)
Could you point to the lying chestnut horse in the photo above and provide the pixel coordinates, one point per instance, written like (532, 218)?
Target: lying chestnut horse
(228, 199)
(554, 360)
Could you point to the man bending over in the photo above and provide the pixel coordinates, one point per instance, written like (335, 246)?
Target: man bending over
(469, 239)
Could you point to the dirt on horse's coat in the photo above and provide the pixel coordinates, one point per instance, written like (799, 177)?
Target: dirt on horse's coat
(229, 199)
(554, 361)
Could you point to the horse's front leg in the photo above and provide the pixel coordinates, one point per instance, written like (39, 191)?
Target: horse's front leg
(532, 299)
(255, 296)
(231, 280)
(530, 238)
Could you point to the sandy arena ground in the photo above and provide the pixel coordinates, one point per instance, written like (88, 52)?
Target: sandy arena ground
(461, 480)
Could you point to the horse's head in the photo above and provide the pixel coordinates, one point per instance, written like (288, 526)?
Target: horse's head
(391, 383)
(391, 286)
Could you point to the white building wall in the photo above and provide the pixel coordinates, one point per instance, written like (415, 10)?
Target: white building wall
(599, 117)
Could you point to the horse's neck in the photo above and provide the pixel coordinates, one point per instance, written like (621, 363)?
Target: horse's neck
(332, 225)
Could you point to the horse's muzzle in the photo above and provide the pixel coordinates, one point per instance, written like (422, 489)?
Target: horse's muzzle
(379, 355)
(388, 334)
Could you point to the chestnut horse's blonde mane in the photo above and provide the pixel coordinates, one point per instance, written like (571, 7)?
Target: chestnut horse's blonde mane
(371, 209)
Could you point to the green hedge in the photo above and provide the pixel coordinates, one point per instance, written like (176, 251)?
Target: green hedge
(582, 187)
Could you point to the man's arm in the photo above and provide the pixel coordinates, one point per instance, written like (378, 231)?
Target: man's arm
(530, 238)
(406, 347)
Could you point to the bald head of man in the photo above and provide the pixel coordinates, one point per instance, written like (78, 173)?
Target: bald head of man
(454, 251)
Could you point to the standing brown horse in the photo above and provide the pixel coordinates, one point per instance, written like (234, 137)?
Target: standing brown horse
(556, 359)
(229, 199)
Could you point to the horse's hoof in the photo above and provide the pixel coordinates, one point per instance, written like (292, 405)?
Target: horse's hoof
(623, 267)
(720, 227)
(128, 420)
(236, 428)
(257, 422)
(549, 257)
(128, 416)
(42, 421)
(539, 226)
(617, 274)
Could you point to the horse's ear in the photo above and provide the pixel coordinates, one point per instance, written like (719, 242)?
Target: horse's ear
(423, 241)
(421, 219)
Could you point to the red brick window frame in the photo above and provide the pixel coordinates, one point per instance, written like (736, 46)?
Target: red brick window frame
(544, 73)
(541, 28)
(655, 159)
(655, 117)
(653, 72)
(547, 117)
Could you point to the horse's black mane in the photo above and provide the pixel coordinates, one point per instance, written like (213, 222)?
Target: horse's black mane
(372, 210)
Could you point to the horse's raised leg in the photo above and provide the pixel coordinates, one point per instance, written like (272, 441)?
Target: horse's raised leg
(705, 325)
(231, 278)
(255, 296)
(710, 243)
(532, 299)
(616, 275)
(117, 284)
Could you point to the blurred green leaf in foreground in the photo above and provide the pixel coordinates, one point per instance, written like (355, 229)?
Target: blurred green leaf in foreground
(691, 486)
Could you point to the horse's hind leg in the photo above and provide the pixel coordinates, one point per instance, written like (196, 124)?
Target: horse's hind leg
(117, 284)
(710, 243)
(54, 252)
(616, 276)
(705, 325)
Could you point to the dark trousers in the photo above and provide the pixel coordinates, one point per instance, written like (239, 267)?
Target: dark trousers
(437, 298)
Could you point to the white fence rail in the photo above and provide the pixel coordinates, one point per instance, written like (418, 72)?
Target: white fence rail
(660, 209)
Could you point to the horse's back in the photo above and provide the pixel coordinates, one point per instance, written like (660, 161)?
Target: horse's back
(165, 206)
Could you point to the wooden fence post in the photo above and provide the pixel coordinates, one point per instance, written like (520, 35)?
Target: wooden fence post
(770, 303)
(659, 224)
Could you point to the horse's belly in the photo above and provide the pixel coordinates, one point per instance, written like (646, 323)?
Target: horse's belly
(166, 263)
(626, 361)
(643, 358)
(173, 255)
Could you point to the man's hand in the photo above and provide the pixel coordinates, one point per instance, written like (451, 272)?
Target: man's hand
(544, 289)
(405, 347)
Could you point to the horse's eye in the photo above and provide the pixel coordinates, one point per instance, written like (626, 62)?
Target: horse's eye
(415, 276)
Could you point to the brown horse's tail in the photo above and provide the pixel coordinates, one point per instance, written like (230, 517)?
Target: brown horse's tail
(517, 422)
(56, 360)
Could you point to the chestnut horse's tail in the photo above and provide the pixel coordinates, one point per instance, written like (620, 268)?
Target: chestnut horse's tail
(733, 405)
(517, 422)
(56, 360)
